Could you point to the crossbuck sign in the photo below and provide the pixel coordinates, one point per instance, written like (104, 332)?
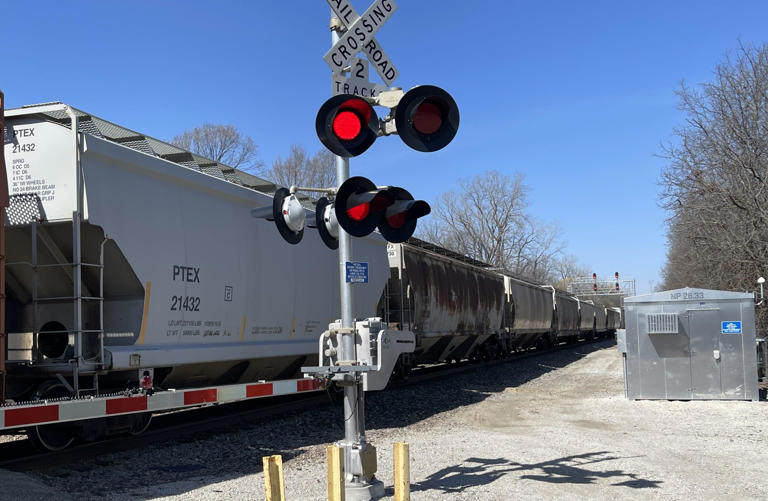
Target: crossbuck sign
(359, 37)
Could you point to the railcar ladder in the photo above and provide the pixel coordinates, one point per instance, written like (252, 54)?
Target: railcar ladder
(78, 360)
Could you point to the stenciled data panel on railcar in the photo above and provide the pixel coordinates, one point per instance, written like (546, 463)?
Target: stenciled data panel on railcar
(40, 163)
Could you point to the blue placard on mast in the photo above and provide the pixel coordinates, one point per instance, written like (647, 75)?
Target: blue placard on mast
(357, 272)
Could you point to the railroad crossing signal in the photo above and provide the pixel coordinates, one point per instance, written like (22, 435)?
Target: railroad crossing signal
(427, 118)
(347, 125)
(361, 207)
(399, 221)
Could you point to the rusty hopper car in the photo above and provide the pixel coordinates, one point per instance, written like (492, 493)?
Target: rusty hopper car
(167, 271)
(532, 311)
(614, 320)
(450, 302)
(586, 318)
(567, 312)
(600, 320)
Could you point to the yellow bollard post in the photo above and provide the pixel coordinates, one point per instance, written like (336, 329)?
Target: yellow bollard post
(402, 472)
(335, 457)
(274, 487)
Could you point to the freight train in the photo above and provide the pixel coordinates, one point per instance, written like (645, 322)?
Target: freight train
(130, 260)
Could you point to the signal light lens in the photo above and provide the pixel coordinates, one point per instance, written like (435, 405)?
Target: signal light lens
(359, 212)
(427, 119)
(347, 125)
(397, 220)
(359, 206)
(401, 216)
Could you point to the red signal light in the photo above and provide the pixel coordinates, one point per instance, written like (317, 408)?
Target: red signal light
(401, 216)
(397, 220)
(594, 287)
(617, 286)
(359, 212)
(360, 205)
(347, 125)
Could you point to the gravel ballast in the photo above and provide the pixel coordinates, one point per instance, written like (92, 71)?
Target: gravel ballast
(550, 427)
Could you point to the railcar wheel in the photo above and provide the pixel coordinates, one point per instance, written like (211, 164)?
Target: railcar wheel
(141, 423)
(52, 437)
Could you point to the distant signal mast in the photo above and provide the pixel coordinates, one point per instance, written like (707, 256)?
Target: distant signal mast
(600, 286)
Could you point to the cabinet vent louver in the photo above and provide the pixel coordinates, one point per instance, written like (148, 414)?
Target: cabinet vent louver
(662, 323)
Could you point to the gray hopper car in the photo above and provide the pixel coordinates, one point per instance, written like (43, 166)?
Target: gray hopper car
(459, 308)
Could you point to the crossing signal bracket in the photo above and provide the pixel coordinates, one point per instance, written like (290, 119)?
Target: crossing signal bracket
(287, 213)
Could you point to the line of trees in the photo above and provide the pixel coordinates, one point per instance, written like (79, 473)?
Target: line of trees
(715, 186)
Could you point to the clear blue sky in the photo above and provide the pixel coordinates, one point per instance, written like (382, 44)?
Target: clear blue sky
(577, 96)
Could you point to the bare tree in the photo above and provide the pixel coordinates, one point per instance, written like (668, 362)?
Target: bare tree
(486, 219)
(222, 143)
(317, 171)
(566, 269)
(715, 186)
(479, 220)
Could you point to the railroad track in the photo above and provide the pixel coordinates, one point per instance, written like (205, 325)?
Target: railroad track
(20, 455)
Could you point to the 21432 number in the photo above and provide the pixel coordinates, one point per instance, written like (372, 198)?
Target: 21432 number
(185, 303)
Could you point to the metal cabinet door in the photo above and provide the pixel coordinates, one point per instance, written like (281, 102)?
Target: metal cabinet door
(704, 332)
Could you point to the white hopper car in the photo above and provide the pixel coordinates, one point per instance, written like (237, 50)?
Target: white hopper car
(177, 276)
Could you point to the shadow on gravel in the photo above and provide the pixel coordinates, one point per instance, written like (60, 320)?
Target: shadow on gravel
(180, 465)
(566, 470)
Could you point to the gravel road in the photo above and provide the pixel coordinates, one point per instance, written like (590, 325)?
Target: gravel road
(551, 427)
